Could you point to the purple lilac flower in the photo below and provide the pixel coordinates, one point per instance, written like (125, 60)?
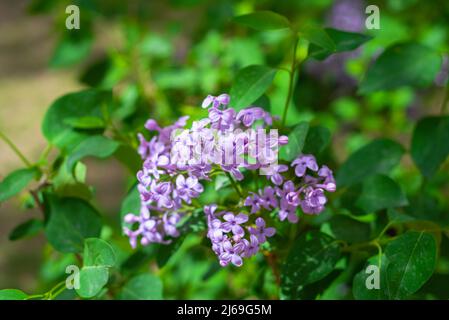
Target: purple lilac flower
(254, 201)
(170, 222)
(233, 223)
(234, 171)
(347, 15)
(188, 188)
(251, 246)
(329, 181)
(304, 162)
(287, 211)
(232, 253)
(276, 176)
(249, 115)
(221, 119)
(261, 232)
(222, 99)
(160, 193)
(268, 198)
(150, 228)
(314, 201)
(215, 233)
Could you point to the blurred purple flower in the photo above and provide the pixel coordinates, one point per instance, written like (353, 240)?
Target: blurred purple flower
(261, 232)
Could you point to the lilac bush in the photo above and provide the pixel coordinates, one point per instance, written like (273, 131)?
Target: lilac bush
(178, 161)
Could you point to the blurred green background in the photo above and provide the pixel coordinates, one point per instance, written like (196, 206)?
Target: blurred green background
(162, 58)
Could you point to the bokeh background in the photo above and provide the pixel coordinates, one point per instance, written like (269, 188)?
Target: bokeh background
(168, 55)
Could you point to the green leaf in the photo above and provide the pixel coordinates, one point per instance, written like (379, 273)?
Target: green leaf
(250, 84)
(139, 258)
(319, 37)
(395, 216)
(72, 183)
(12, 294)
(348, 229)
(98, 253)
(379, 156)
(318, 138)
(128, 157)
(426, 206)
(315, 291)
(26, 229)
(311, 258)
(165, 252)
(359, 286)
(343, 40)
(72, 48)
(85, 122)
(98, 257)
(95, 73)
(94, 146)
(380, 192)
(16, 182)
(85, 103)
(412, 259)
(131, 204)
(92, 280)
(430, 145)
(296, 141)
(221, 181)
(263, 20)
(142, 287)
(407, 64)
(70, 221)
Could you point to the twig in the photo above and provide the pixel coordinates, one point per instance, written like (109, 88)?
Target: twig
(291, 79)
(271, 260)
(15, 149)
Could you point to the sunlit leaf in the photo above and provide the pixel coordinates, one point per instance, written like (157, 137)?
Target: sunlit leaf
(98, 257)
(311, 258)
(70, 221)
(408, 64)
(94, 146)
(379, 156)
(412, 259)
(380, 192)
(263, 20)
(142, 287)
(26, 229)
(250, 83)
(16, 182)
(430, 145)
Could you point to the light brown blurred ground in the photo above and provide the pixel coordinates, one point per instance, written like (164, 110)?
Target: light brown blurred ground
(27, 87)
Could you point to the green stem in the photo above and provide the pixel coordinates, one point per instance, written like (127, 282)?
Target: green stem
(15, 149)
(46, 152)
(57, 292)
(291, 79)
(234, 184)
(379, 253)
(35, 296)
(51, 294)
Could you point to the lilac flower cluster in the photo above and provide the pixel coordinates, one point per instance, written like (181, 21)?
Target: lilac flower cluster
(176, 160)
(308, 193)
(163, 189)
(226, 231)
